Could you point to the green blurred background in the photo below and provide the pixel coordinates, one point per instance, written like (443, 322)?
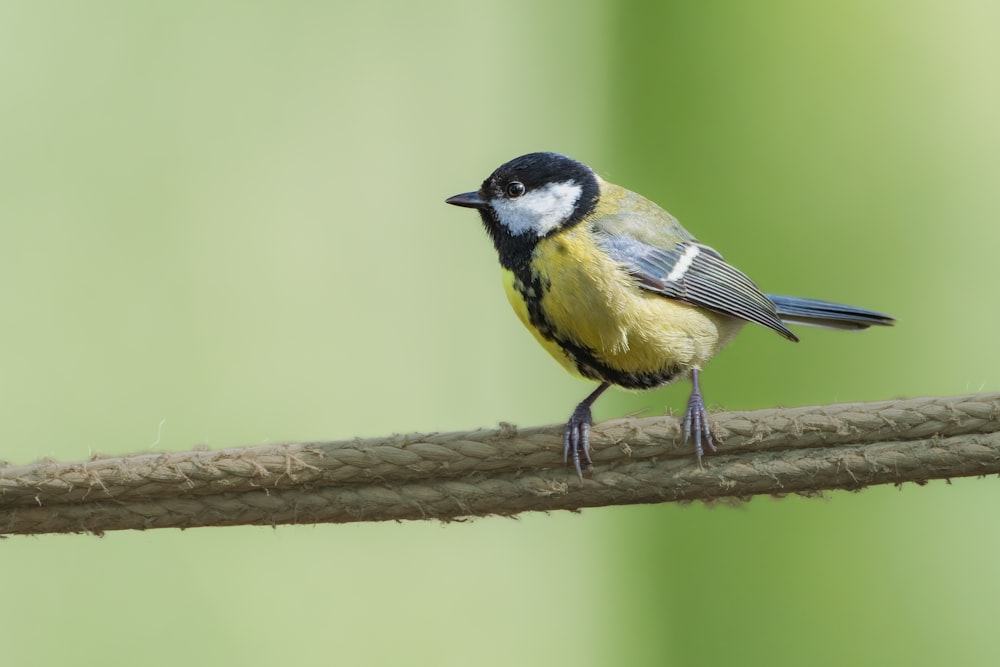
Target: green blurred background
(222, 223)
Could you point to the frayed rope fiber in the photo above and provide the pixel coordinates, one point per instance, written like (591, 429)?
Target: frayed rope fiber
(449, 476)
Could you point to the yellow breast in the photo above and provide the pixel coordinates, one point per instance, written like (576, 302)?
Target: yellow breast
(589, 302)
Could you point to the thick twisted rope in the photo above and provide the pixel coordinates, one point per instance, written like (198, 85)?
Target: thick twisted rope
(506, 471)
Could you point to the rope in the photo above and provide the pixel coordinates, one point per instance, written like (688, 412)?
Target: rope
(461, 474)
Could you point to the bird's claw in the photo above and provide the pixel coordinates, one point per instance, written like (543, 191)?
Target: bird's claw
(696, 426)
(577, 437)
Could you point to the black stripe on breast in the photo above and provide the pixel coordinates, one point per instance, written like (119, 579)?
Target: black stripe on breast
(532, 288)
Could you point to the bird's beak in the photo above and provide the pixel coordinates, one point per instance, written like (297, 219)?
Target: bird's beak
(467, 199)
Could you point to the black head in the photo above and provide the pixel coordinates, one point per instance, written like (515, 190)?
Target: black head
(529, 198)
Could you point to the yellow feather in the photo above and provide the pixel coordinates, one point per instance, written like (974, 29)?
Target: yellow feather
(590, 301)
(521, 309)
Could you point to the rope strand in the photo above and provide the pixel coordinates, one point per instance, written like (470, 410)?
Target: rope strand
(452, 475)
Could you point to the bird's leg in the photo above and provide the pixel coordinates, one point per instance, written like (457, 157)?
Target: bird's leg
(696, 420)
(577, 435)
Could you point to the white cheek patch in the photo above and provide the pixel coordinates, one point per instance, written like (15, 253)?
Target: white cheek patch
(540, 211)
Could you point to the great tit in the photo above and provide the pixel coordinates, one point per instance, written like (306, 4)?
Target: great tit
(618, 292)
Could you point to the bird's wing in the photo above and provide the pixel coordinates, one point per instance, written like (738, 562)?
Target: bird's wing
(695, 274)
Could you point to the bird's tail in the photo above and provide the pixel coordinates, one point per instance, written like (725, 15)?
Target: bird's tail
(794, 310)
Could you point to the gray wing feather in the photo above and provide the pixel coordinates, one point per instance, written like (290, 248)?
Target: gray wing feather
(706, 280)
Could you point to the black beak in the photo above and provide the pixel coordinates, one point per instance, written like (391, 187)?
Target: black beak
(467, 199)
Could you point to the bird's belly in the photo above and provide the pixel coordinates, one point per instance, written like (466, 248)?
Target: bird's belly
(598, 322)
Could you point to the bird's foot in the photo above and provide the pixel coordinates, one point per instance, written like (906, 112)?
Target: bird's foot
(576, 439)
(695, 425)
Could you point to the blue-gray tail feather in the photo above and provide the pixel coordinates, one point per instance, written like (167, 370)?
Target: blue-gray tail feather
(795, 310)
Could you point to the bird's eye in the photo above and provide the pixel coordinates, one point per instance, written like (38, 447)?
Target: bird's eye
(515, 189)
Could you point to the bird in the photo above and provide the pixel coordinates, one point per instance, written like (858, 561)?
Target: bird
(618, 292)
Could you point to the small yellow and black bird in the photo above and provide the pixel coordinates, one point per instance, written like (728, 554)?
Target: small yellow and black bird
(618, 292)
